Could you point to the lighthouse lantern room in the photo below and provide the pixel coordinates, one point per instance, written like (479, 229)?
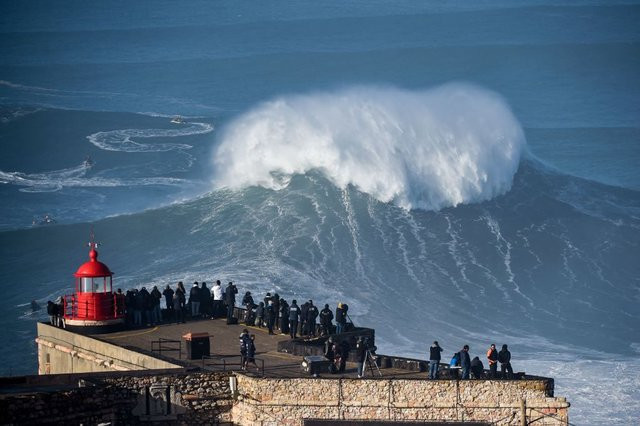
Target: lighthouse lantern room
(94, 307)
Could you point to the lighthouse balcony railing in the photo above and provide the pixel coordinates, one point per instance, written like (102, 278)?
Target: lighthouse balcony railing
(102, 308)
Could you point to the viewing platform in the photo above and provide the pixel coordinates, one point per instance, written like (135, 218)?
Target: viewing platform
(164, 374)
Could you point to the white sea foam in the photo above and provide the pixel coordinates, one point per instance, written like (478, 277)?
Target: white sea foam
(123, 139)
(428, 149)
(76, 177)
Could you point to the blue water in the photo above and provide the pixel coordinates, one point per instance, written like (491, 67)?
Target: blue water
(459, 171)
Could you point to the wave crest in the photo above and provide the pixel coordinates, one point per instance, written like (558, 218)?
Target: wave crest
(429, 149)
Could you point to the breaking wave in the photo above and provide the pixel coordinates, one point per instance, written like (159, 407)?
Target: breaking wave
(430, 149)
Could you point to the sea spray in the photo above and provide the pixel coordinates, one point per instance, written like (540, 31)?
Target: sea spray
(428, 149)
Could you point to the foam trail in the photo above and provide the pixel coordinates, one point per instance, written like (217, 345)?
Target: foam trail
(429, 149)
(122, 140)
(76, 177)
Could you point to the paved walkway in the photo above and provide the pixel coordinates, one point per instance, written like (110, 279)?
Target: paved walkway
(225, 349)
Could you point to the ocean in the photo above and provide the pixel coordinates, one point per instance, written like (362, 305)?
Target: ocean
(466, 172)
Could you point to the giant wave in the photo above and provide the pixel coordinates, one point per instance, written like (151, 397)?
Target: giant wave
(429, 149)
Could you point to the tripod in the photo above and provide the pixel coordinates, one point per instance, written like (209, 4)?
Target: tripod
(370, 361)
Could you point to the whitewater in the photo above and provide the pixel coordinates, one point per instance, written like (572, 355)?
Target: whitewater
(460, 172)
(429, 150)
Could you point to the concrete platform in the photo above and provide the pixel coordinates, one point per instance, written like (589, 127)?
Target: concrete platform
(225, 349)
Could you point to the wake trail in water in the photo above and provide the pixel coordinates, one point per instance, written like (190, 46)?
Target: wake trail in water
(429, 149)
(122, 140)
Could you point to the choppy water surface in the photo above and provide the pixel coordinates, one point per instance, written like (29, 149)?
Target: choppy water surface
(449, 169)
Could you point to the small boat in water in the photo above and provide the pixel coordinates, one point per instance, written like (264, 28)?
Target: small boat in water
(178, 120)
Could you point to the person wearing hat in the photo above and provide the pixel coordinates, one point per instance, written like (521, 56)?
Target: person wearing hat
(434, 359)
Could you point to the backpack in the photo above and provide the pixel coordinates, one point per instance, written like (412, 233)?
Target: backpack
(455, 360)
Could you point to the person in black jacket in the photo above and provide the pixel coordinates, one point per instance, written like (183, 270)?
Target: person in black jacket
(477, 368)
(284, 317)
(465, 361)
(304, 309)
(294, 314)
(341, 318)
(206, 304)
(260, 315)
(492, 356)
(312, 314)
(168, 298)
(326, 316)
(276, 310)
(504, 357)
(194, 300)
(230, 297)
(434, 359)
(270, 315)
(156, 312)
(361, 354)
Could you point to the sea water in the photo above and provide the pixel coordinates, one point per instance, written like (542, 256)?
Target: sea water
(465, 172)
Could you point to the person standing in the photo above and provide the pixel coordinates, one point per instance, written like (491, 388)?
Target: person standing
(304, 309)
(271, 316)
(168, 299)
(260, 315)
(276, 310)
(326, 316)
(312, 314)
(341, 319)
(504, 357)
(465, 362)
(492, 356)
(156, 312)
(251, 353)
(205, 300)
(247, 302)
(294, 314)
(182, 293)
(194, 300)
(361, 355)
(244, 346)
(284, 317)
(146, 305)
(230, 295)
(217, 299)
(178, 306)
(434, 359)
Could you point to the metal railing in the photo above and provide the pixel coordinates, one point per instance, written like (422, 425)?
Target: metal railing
(164, 345)
(229, 363)
(72, 307)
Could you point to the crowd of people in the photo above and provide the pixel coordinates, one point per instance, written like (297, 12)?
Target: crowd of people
(473, 368)
(142, 308)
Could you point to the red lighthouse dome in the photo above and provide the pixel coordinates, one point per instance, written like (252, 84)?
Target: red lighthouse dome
(93, 268)
(94, 307)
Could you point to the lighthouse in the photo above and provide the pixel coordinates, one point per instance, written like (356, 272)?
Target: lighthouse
(94, 307)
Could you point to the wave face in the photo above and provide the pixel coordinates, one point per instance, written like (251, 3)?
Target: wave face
(430, 149)
(548, 268)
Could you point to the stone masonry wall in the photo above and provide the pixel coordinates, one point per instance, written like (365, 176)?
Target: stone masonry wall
(289, 401)
(169, 398)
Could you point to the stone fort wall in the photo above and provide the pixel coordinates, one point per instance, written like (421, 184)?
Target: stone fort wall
(265, 401)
